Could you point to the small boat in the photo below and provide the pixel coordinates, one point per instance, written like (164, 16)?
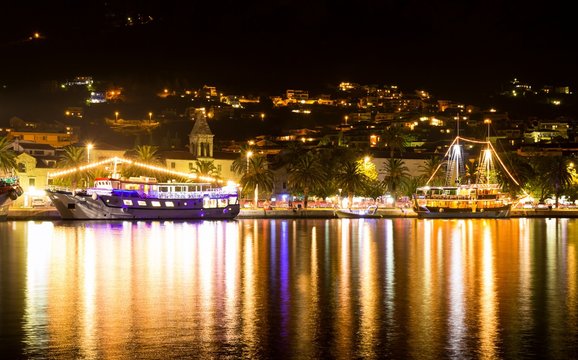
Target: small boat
(482, 198)
(10, 190)
(370, 212)
(143, 198)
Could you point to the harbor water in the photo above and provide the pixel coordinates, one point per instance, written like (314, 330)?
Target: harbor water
(399, 288)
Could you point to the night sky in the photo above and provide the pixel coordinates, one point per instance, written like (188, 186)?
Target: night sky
(450, 48)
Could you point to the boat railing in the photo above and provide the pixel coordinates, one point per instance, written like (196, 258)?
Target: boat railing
(189, 194)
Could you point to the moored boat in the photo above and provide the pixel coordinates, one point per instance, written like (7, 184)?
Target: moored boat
(10, 190)
(144, 198)
(370, 212)
(460, 198)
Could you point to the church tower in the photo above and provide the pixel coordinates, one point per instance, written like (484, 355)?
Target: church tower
(201, 137)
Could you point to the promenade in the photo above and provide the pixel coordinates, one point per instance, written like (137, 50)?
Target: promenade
(50, 213)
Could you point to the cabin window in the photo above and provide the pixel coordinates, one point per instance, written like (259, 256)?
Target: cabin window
(223, 203)
(142, 203)
(169, 204)
(127, 202)
(232, 200)
(156, 203)
(209, 203)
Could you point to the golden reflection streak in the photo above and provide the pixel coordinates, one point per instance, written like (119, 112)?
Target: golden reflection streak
(38, 255)
(488, 313)
(88, 343)
(343, 318)
(232, 280)
(422, 320)
(456, 316)
(572, 307)
(526, 322)
(309, 294)
(368, 283)
(208, 299)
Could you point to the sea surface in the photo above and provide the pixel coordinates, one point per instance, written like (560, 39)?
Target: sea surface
(400, 288)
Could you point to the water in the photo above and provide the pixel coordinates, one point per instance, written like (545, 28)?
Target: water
(295, 289)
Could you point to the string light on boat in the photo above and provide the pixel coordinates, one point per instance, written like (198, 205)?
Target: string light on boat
(117, 160)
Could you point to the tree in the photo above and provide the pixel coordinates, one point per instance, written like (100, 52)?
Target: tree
(350, 178)
(7, 156)
(433, 168)
(558, 174)
(72, 156)
(396, 174)
(258, 177)
(306, 174)
(395, 139)
(145, 154)
(206, 168)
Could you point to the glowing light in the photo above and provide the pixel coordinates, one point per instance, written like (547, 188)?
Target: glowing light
(117, 160)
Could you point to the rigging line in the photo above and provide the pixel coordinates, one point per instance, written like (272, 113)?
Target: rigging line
(504, 166)
(441, 163)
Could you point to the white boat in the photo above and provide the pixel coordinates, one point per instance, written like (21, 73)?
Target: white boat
(145, 198)
(10, 190)
(370, 212)
(483, 198)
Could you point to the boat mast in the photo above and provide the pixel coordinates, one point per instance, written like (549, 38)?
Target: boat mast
(455, 161)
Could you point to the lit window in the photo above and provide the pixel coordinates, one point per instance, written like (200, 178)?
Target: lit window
(142, 203)
(156, 203)
(169, 204)
(127, 202)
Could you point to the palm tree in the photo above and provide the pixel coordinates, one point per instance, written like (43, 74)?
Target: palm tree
(433, 168)
(241, 164)
(258, 177)
(557, 173)
(306, 174)
(206, 168)
(7, 156)
(396, 174)
(72, 156)
(350, 177)
(395, 139)
(146, 154)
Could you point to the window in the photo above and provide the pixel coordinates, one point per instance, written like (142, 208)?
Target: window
(31, 182)
(21, 167)
(173, 165)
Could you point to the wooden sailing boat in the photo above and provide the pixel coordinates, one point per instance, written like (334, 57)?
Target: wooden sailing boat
(458, 198)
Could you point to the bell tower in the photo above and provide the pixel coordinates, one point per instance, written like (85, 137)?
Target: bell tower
(201, 137)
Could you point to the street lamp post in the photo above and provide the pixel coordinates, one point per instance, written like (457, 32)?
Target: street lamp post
(150, 116)
(116, 115)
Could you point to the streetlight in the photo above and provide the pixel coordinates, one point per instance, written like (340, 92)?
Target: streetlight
(88, 148)
(116, 115)
(150, 116)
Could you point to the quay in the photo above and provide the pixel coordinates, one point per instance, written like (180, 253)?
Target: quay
(50, 213)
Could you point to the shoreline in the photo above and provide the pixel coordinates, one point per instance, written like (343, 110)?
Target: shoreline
(48, 213)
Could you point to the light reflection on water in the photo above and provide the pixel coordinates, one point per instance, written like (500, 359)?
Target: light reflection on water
(399, 288)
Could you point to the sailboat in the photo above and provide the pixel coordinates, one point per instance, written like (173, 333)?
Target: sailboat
(460, 198)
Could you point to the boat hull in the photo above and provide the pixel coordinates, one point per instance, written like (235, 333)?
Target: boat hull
(73, 206)
(450, 213)
(8, 194)
(358, 214)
